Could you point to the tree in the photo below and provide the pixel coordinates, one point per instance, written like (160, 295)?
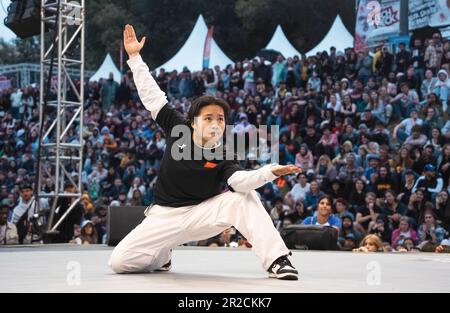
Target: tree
(305, 22)
(241, 27)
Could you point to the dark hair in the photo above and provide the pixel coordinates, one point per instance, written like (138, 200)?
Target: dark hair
(416, 128)
(203, 101)
(392, 192)
(330, 200)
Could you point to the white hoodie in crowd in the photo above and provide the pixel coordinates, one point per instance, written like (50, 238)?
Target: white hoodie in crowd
(445, 82)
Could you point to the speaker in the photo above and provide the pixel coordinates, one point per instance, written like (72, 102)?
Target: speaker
(122, 220)
(24, 18)
(310, 237)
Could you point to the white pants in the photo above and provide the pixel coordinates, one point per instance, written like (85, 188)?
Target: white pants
(148, 246)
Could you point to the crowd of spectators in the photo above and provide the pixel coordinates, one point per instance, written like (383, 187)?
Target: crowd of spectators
(369, 129)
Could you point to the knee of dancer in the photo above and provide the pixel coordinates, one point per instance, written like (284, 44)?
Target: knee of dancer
(117, 263)
(122, 262)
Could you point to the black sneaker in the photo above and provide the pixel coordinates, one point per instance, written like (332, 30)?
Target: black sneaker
(283, 269)
(166, 267)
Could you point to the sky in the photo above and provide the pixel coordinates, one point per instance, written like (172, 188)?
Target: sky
(5, 32)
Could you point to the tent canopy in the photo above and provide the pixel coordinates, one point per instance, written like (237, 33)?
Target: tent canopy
(191, 54)
(338, 36)
(107, 67)
(279, 42)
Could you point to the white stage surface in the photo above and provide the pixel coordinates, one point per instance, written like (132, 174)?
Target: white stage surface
(65, 268)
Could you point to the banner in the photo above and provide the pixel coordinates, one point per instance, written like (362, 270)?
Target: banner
(207, 49)
(378, 20)
(435, 13)
(375, 22)
(5, 84)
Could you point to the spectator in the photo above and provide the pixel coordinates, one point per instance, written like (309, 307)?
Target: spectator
(403, 58)
(429, 230)
(122, 199)
(350, 171)
(381, 228)
(435, 44)
(370, 243)
(298, 214)
(405, 102)
(324, 215)
(263, 71)
(357, 195)
(407, 246)
(137, 185)
(348, 108)
(348, 228)
(304, 158)
(325, 170)
(279, 71)
(386, 62)
(429, 183)
(88, 234)
(243, 127)
(416, 205)
(22, 215)
(137, 199)
(249, 79)
(8, 231)
(348, 243)
(108, 92)
(403, 130)
(98, 175)
(364, 66)
(368, 212)
(341, 209)
(403, 232)
(428, 84)
(442, 205)
(328, 144)
(393, 209)
(442, 89)
(406, 189)
(336, 189)
(339, 160)
(312, 197)
(211, 81)
(73, 217)
(279, 212)
(301, 188)
(383, 182)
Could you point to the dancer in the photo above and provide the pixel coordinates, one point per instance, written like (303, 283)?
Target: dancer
(188, 202)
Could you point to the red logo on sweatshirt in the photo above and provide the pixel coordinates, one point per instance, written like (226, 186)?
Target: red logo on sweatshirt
(210, 165)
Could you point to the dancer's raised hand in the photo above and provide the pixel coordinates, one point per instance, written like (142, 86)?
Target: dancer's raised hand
(130, 42)
(280, 170)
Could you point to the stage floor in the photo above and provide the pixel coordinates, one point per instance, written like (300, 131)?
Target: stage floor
(64, 268)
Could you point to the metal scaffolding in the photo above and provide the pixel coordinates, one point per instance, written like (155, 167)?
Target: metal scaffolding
(62, 140)
(29, 73)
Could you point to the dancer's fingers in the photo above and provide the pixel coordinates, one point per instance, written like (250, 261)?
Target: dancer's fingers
(142, 41)
(133, 34)
(127, 31)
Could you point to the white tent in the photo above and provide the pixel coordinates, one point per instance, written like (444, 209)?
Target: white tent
(338, 36)
(107, 67)
(191, 54)
(280, 43)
